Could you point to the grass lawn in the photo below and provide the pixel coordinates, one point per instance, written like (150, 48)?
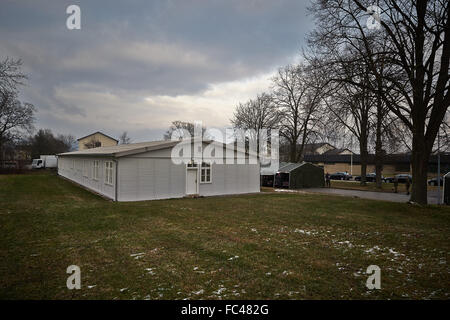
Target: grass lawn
(371, 186)
(263, 246)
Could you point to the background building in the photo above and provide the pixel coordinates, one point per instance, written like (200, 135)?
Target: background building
(95, 140)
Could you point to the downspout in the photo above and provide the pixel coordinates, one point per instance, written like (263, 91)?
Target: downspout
(116, 181)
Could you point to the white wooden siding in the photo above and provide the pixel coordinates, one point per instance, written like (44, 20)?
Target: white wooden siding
(76, 174)
(149, 179)
(231, 179)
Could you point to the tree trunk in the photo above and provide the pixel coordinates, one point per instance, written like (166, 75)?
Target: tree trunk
(293, 152)
(378, 165)
(363, 151)
(378, 145)
(419, 164)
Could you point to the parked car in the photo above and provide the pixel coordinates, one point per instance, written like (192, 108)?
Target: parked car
(340, 176)
(370, 177)
(400, 177)
(434, 181)
(389, 179)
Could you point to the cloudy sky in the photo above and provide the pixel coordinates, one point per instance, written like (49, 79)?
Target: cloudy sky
(138, 65)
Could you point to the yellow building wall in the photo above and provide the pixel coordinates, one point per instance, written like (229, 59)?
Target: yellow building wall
(388, 170)
(104, 140)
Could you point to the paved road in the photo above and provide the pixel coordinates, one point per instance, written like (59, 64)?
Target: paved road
(394, 197)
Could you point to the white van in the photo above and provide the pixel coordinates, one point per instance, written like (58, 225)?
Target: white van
(46, 161)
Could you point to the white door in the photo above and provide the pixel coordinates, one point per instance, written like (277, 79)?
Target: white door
(191, 181)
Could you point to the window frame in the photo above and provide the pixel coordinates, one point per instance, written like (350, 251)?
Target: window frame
(207, 166)
(95, 167)
(109, 180)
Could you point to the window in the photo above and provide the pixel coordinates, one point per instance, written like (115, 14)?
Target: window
(95, 170)
(109, 172)
(85, 168)
(205, 173)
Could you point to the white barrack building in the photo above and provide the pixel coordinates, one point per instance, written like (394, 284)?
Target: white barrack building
(146, 171)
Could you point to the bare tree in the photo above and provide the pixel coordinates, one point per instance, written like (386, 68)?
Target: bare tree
(10, 74)
(68, 141)
(256, 114)
(351, 106)
(15, 117)
(444, 135)
(124, 138)
(180, 128)
(298, 95)
(418, 50)
(44, 142)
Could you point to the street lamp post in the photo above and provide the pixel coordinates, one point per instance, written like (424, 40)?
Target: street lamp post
(351, 163)
(351, 155)
(439, 171)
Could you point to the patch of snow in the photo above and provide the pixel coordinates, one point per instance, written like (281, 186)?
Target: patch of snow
(302, 231)
(395, 253)
(150, 271)
(137, 254)
(220, 290)
(348, 243)
(373, 250)
(198, 292)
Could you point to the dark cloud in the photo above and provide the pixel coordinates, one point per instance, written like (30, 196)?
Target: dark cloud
(129, 50)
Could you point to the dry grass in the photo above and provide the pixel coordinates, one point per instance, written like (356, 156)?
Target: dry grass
(266, 246)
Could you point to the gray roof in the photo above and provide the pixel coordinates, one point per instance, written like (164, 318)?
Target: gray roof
(123, 149)
(337, 151)
(284, 167)
(287, 167)
(312, 147)
(135, 148)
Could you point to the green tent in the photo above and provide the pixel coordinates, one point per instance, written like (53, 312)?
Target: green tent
(299, 175)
